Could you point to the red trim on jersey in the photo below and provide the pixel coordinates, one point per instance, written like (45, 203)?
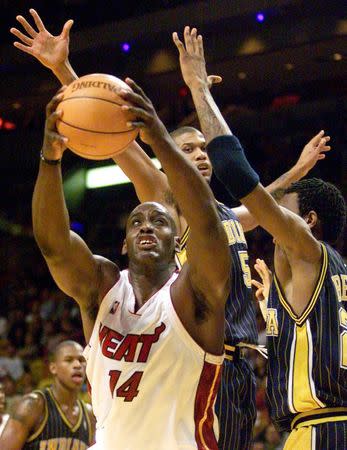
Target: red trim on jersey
(204, 403)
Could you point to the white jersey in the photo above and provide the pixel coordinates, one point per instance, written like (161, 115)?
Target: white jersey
(153, 387)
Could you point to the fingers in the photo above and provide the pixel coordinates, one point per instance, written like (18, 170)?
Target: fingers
(37, 19)
(21, 36)
(200, 48)
(52, 105)
(316, 139)
(214, 79)
(139, 113)
(136, 96)
(263, 270)
(66, 29)
(135, 87)
(188, 40)
(322, 147)
(27, 27)
(23, 48)
(194, 39)
(257, 284)
(178, 43)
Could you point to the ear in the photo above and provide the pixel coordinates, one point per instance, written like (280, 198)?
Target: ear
(52, 368)
(177, 244)
(311, 219)
(124, 247)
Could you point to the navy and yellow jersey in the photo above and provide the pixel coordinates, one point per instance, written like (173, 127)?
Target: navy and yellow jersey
(56, 432)
(240, 323)
(307, 367)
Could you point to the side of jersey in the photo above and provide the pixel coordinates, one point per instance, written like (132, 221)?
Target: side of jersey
(240, 321)
(307, 367)
(56, 432)
(152, 386)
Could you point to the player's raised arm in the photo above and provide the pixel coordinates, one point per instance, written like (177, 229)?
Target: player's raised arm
(53, 52)
(213, 124)
(209, 259)
(314, 151)
(76, 271)
(25, 419)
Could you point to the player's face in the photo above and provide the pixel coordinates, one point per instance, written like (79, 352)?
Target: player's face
(70, 366)
(150, 234)
(193, 145)
(2, 398)
(291, 202)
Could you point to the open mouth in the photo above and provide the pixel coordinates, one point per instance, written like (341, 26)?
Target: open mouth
(146, 243)
(203, 167)
(77, 378)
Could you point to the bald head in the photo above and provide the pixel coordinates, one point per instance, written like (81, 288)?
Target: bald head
(155, 206)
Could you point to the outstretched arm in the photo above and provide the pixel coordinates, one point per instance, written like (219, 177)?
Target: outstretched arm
(313, 152)
(193, 68)
(208, 259)
(76, 271)
(53, 52)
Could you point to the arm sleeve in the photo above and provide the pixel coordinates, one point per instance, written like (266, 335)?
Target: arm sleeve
(231, 167)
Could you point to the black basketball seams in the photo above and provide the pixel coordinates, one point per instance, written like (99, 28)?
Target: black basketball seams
(94, 131)
(94, 98)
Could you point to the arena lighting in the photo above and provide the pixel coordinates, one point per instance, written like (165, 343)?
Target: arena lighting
(260, 17)
(125, 46)
(109, 176)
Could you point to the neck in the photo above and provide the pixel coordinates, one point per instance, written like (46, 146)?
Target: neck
(63, 395)
(146, 281)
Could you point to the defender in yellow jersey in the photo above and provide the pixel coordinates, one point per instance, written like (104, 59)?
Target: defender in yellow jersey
(306, 319)
(54, 418)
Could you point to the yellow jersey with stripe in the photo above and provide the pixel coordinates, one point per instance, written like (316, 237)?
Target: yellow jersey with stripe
(152, 386)
(307, 367)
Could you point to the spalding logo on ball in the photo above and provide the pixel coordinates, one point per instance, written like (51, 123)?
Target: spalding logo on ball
(92, 118)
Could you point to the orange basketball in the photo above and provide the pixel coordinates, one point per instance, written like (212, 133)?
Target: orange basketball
(93, 120)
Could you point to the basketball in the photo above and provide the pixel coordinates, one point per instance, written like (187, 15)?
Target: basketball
(92, 118)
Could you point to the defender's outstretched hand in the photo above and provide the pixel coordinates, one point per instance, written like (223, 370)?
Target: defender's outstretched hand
(192, 59)
(51, 51)
(54, 144)
(313, 151)
(263, 287)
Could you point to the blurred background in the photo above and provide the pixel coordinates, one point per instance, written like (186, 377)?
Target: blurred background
(284, 69)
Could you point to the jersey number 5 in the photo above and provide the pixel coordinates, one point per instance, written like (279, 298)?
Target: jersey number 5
(129, 389)
(243, 255)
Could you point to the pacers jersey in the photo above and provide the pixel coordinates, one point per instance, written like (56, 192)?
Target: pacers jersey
(240, 323)
(153, 387)
(307, 368)
(56, 432)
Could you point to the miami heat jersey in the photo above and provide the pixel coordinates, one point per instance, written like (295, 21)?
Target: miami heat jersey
(307, 368)
(152, 386)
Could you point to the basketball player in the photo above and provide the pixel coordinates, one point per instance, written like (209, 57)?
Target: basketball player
(236, 400)
(307, 313)
(54, 418)
(155, 337)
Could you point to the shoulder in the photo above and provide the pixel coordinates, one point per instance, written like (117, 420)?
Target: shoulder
(29, 408)
(109, 274)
